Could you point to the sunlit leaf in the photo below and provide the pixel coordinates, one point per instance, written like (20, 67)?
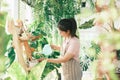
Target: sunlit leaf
(2, 63)
(36, 71)
(16, 71)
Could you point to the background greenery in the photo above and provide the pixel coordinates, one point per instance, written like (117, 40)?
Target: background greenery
(47, 13)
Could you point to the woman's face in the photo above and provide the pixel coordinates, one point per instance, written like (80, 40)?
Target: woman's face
(64, 33)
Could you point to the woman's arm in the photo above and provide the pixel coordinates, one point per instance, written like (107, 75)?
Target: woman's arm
(63, 59)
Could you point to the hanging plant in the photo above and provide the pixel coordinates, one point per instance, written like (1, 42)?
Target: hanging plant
(87, 24)
(30, 2)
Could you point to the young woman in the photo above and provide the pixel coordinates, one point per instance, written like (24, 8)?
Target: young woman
(69, 50)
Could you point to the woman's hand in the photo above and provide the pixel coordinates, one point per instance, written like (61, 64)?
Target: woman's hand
(55, 47)
(41, 59)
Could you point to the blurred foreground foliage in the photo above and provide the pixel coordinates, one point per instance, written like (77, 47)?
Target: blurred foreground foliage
(3, 36)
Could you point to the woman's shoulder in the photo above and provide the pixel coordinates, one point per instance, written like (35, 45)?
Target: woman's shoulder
(75, 40)
(75, 43)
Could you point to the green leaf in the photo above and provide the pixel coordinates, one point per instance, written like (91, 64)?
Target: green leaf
(2, 18)
(96, 47)
(2, 63)
(35, 33)
(11, 55)
(38, 31)
(92, 5)
(87, 24)
(4, 38)
(16, 71)
(38, 55)
(56, 53)
(48, 68)
(43, 42)
(34, 44)
(36, 71)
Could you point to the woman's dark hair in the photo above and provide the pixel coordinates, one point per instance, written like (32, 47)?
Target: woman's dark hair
(68, 24)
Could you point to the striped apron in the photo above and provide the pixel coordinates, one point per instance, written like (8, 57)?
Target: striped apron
(71, 69)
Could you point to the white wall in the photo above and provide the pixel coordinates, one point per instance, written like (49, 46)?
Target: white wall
(19, 10)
